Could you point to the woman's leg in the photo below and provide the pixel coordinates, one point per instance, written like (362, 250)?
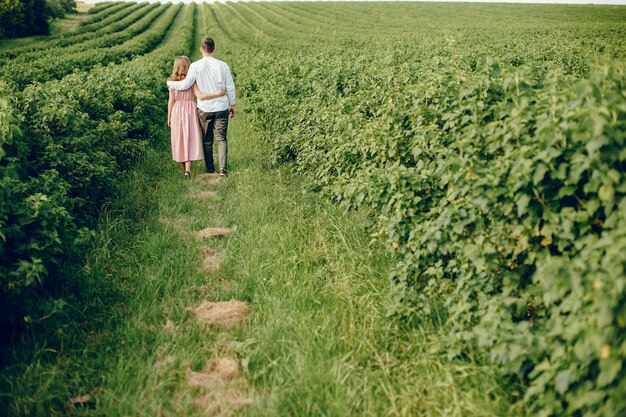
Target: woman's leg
(188, 166)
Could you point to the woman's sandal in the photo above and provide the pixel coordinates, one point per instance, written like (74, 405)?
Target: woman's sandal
(187, 174)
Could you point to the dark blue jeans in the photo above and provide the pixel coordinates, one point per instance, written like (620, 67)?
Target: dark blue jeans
(214, 125)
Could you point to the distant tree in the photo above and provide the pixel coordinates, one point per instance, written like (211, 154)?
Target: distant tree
(31, 17)
(10, 21)
(59, 8)
(69, 6)
(55, 9)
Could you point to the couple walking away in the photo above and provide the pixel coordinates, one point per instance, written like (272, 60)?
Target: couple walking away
(194, 128)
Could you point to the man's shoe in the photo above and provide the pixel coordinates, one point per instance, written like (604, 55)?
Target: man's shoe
(222, 172)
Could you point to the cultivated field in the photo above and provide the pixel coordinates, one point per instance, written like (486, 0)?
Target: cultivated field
(424, 214)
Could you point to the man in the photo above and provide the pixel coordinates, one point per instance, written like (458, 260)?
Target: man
(211, 75)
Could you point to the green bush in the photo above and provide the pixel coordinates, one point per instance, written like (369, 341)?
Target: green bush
(34, 222)
(514, 219)
(66, 146)
(500, 187)
(498, 182)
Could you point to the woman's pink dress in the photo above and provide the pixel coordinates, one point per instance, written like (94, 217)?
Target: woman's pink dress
(186, 134)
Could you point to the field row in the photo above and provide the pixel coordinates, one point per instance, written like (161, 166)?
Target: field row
(137, 34)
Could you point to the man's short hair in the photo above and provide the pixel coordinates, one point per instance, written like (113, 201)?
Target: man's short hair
(208, 44)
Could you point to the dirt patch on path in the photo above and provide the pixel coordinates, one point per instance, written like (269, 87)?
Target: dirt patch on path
(83, 401)
(224, 313)
(215, 403)
(169, 327)
(221, 385)
(211, 260)
(222, 369)
(214, 232)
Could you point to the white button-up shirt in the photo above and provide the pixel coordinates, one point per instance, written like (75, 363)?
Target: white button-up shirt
(211, 75)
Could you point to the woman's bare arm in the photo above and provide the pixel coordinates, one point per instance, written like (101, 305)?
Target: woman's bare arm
(207, 96)
(170, 104)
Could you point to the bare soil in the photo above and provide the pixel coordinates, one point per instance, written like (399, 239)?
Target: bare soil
(221, 370)
(230, 399)
(214, 232)
(225, 313)
(169, 327)
(211, 261)
(205, 195)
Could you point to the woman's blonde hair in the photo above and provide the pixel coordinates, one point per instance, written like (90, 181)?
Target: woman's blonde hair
(181, 66)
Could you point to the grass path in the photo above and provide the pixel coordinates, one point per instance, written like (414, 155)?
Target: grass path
(316, 340)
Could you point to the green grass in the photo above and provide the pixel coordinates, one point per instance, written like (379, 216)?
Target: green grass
(71, 21)
(317, 343)
(67, 24)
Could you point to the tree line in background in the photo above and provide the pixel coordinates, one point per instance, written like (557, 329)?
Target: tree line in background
(31, 17)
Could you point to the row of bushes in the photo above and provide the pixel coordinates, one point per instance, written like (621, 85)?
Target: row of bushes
(101, 7)
(100, 10)
(138, 38)
(66, 145)
(110, 16)
(34, 49)
(499, 185)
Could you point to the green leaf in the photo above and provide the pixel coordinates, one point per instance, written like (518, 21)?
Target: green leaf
(562, 381)
(606, 193)
(522, 204)
(539, 174)
(609, 368)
